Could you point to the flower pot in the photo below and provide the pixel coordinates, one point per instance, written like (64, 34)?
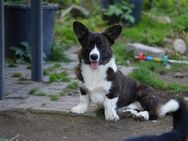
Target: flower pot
(18, 26)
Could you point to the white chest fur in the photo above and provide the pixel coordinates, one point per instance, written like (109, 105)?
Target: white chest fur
(95, 81)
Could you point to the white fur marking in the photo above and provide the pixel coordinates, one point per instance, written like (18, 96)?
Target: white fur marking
(171, 106)
(82, 106)
(110, 109)
(143, 114)
(95, 51)
(95, 81)
(135, 106)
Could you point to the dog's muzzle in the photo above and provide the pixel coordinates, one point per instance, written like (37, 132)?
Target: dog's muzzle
(94, 59)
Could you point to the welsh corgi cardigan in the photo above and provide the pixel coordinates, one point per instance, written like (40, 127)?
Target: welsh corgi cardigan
(104, 84)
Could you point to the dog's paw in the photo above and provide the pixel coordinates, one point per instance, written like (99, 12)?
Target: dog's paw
(78, 109)
(141, 116)
(111, 115)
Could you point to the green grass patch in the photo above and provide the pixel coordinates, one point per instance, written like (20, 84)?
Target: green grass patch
(54, 97)
(12, 64)
(55, 77)
(150, 78)
(16, 74)
(50, 69)
(3, 139)
(33, 90)
(121, 54)
(70, 88)
(149, 32)
(39, 93)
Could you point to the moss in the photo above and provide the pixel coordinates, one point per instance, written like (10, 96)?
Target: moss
(63, 76)
(16, 74)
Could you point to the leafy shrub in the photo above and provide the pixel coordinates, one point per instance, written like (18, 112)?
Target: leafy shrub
(181, 22)
(22, 53)
(121, 9)
(58, 53)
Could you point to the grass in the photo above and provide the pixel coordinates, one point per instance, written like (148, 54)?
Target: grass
(72, 86)
(12, 64)
(148, 77)
(50, 69)
(122, 56)
(3, 139)
(36, 92)
(16, 74)
(55, 77)
(54, 97)
(148, 32)
(33, 90)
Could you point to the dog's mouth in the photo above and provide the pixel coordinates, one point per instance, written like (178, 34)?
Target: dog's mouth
(94, 65)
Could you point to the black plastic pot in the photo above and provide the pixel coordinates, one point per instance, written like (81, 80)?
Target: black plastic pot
(18, 26)
(136, 13)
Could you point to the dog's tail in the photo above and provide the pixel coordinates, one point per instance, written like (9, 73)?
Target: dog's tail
(180, 126)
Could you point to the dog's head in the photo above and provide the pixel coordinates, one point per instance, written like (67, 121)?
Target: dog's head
(96, 47)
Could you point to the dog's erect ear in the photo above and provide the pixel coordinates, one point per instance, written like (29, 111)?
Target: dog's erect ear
(113, 32)
(80, 30)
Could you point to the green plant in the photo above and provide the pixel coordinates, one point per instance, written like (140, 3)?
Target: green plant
(181, 22)
(50, 69)
(3, 139)
(11, 64)
(148, 32)
(70, 88)
(33, 90)
(16, 74)
(148, 77)
(121, 54)
(121, 9)
(22, 53)
(58, 52)
(63, 76)
(54, 97)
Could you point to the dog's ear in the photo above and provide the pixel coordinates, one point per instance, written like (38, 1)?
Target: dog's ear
(113, 32)
(80, 30)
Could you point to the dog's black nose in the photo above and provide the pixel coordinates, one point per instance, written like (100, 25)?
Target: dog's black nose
(94, 56)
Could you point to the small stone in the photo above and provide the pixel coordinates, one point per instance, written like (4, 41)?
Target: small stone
(178, 75)
(180, 46)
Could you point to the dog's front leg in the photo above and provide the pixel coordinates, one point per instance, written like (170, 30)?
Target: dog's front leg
(110, 109)
(84, 103)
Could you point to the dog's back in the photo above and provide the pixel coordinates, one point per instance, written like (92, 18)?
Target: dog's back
(179, 131)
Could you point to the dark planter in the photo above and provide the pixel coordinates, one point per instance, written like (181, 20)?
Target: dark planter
(136, 13)
(18, 26)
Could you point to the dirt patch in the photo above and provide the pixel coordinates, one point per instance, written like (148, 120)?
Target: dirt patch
(42, 127)
(173, 77)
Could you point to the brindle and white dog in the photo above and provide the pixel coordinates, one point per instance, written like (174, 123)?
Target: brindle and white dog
(105, 85)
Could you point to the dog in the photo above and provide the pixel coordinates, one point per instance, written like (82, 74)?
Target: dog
(179, 131)
(105, 85)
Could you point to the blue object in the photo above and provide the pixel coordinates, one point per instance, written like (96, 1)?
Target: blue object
(149, 58)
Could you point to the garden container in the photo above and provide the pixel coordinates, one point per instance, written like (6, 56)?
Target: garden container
(18, 26)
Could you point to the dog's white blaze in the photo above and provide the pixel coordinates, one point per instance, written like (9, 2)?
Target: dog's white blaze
(95, 51)
(171, 106)
(95, 80)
